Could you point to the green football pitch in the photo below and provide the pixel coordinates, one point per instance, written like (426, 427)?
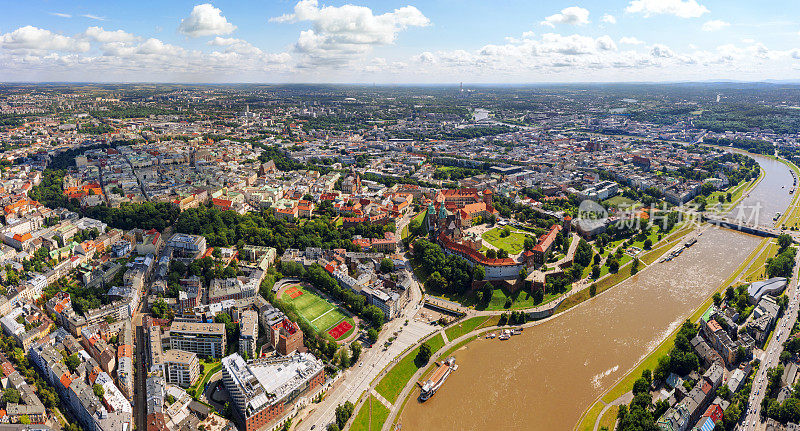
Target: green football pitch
(319, 313)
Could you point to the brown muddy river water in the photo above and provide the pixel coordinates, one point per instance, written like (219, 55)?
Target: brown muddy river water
(546, 377)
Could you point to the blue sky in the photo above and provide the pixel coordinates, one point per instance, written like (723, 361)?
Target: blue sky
(411, 41)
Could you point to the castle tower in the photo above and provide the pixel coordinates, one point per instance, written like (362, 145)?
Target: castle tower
(487, 199)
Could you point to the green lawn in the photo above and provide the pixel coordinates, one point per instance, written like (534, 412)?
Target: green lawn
(464, 327)
(757, 271)
(422, 275)
(319, 313)
(328, 320)
(420, 216)
(520, 300)
(619, 201)
(609, 417)
(590, 417)
(513, 244)
(396, 379)
(655, 253)
(491, 321)
(365, 421)
(652, 236)
(207, 369)
(458, 345)
(736, 192)
(792, 219)
(623, 273)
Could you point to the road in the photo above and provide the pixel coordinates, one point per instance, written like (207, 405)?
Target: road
(771, 356)
(140, 378)
(373, 362)
(400, 224)
(139, 359)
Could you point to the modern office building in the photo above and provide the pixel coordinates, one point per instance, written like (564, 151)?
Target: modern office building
(263, 391)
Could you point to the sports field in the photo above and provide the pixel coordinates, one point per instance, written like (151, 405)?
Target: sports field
(319, 313)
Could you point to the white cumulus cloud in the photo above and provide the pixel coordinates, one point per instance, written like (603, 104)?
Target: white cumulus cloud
(148, 48)
(679, 8)
(426, 57)
(605, 43)
(572, 15)
(98, 34)
(205, 20)
(627, 40)
(715, 25)
(610, 19)
(340, 32)
(30, 38)
(661, 51)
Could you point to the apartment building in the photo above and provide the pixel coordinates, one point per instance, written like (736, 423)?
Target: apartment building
(181, 367)
(204, 339)
(248, 333)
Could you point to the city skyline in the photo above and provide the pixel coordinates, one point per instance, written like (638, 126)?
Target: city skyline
(398, 42)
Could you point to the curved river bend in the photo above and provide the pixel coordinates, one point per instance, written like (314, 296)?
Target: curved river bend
(545, 378)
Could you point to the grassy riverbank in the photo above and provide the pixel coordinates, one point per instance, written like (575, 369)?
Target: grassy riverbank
(396, 379)
(649, 362)
(625, 384)
(590, 417)
(446, 354)
(465, 327)
(371, 416)
(624, 272)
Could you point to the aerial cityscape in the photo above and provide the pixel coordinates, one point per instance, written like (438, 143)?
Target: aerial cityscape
(389, 216)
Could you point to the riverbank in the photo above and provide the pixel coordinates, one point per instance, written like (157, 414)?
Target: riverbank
(589, 419)
(563, 341)
(476, 368)
(625, 272)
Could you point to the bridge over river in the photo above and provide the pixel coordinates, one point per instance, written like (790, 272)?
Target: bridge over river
(753, 229)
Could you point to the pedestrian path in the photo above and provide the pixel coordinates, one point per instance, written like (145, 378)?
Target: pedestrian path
(444, 335)
(625, 399)
(380, 398)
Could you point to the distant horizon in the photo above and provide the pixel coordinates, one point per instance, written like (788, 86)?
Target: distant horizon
(399, 41)
(413, 84)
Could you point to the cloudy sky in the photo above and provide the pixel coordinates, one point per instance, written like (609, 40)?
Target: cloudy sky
(406, 41)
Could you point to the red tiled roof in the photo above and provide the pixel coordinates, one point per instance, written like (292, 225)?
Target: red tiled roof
(223, 203)
(125, 351)
(8, 369)
(546, 240)
(65, 380)
(473, 254)
(24, 237)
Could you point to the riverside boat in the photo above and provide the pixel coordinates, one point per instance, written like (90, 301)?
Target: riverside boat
(436, 380)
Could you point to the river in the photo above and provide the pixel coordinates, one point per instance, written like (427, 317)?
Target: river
(770, 196)
(545, 378)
